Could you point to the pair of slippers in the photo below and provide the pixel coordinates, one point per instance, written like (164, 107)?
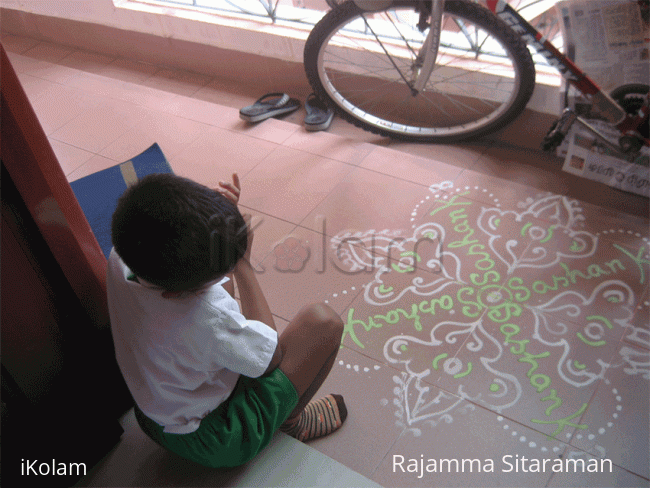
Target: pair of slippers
(319, 115)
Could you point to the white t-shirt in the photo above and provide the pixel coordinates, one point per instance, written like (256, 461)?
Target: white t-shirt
(181, 357)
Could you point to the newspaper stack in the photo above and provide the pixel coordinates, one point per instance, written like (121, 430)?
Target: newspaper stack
(609, 41)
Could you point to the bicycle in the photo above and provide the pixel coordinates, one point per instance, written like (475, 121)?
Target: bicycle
(384, 66)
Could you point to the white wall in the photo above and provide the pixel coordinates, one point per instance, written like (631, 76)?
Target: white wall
(257, 36)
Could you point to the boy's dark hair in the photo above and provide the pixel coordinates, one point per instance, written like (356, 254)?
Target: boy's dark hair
(176, 233)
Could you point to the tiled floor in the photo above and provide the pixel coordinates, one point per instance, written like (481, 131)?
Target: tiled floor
(496, 309)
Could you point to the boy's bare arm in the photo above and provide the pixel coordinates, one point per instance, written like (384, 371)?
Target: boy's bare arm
(254, 305)
(253, 302)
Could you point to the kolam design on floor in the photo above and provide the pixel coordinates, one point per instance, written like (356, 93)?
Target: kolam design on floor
(536, 304)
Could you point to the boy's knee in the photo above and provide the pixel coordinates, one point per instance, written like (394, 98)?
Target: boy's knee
(324, 319)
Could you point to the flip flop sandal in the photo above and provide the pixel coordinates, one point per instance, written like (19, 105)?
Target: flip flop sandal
(319, 115)
(270, 105)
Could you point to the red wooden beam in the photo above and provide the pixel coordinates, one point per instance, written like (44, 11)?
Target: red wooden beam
(30, 161)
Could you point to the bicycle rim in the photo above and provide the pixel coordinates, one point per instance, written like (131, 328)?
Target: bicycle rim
(365, 64)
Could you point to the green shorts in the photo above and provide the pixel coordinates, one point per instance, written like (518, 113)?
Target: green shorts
(236, 430)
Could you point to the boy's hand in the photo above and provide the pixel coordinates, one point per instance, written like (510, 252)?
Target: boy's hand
(231, 191)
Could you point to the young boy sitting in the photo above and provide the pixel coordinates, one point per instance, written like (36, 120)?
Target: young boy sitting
(210, 383)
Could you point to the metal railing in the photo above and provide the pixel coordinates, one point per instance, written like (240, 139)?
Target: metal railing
(308, 12)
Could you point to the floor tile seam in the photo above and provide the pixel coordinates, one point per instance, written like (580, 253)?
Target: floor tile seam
(644, 301)
(187, 94)
(101, 149)
(398, 435)
(375, 253)
(564, 445)
(74, 72)
(242, 175)
(342, 178)
(85, 86)
(134, 61)
(73, 90)
(374, 472)
(498, 144)
(167, 110)
(92, 155)
(615, 334)
(625, 341)
(268, 214)
(481, 144)
(387, 147)
(269, 252)
(45, 44)
(20, 72)
(603, 386)
(298, 127)
(596, 387)
(359, 163)
(336, 138)
(128, 84)
(114, 59)
(279, 143)
(96, 68)
(459, 351)
(276, 315)
(365, 232)
(478, 177)
(170, 155)
(397, 152)
(353, 352)
(596, 456)
(351, 297)
(610, 235)
(17, 38)
(490, 143)
(262, 261)
(631, 472)
(499, 416)
(568, 276)
(89, 91)
(382, 361)
(198, 86)
(53, 137)
(100, 71)
(33, 99)
(353, 168)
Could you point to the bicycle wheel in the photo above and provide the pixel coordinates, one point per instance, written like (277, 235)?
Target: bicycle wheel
(364, 63)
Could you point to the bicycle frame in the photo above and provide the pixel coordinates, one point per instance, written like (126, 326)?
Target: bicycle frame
(607, 107)
(602, 102)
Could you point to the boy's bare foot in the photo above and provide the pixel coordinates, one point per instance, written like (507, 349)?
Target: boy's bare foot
(319, 418)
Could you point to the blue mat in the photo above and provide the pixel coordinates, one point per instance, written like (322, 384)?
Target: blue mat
(98, 193)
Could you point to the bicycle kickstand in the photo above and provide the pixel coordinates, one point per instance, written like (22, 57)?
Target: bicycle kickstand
(561, 128)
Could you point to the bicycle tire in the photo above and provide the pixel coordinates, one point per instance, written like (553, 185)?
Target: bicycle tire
(376, 98)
